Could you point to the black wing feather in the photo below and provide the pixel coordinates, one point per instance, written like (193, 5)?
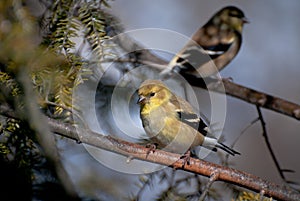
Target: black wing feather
(193, 56)
(194, 121)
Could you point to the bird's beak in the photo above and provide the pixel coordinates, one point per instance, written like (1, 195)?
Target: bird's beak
(141, 99)
(245, 20)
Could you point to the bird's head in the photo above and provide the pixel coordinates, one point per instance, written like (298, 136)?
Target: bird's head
(230, 17)
(153, 93)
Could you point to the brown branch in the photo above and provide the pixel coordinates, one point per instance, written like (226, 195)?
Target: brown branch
(262, 99)
(197, 166)
(202, 167)
(249, 95)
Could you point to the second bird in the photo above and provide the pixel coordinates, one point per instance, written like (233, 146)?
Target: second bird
(212, 46)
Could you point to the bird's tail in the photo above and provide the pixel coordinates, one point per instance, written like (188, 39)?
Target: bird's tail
(213, 144)
(227, 149)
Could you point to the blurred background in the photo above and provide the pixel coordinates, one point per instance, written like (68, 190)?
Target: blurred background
(268, 61)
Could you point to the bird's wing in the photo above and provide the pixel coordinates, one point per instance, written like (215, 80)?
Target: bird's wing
(187, 115)
(194, 56)
(216, 50)
(214, 40)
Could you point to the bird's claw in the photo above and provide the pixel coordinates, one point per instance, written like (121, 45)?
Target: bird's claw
(151, 148)
(186, 158)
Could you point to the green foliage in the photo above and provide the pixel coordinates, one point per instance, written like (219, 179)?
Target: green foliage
(54, 84)
(63, 27)
(70, 21)
(11, 86)
(56, 67)
(94, 24)
(54, 63)
(171, 194)
(18, 144)
(248, 196)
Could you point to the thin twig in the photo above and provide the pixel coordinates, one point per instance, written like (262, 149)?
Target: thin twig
(145, 184)
(213, 177)
(242, 133)
(57, 105)
(265, 135)
(71, 110)
(261, 195)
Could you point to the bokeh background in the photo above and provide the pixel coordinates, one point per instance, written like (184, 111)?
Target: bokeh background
(268, 61)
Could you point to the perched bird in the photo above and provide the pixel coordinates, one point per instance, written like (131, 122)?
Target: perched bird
(171, 122)
(212, 46)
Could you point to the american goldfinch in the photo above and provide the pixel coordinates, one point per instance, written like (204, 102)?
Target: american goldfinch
(171, 122)
(212, 46)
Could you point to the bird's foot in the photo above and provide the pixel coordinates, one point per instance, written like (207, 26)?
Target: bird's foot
(186, 158)
(151, 148)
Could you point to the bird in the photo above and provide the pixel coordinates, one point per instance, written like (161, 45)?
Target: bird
(171, 122)
(211, 47)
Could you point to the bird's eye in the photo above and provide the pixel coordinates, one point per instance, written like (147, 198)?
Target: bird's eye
(237, 15)
(152, 94)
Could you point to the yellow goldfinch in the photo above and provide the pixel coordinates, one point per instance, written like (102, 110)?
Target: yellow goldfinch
(171, 122)
(212, 46)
